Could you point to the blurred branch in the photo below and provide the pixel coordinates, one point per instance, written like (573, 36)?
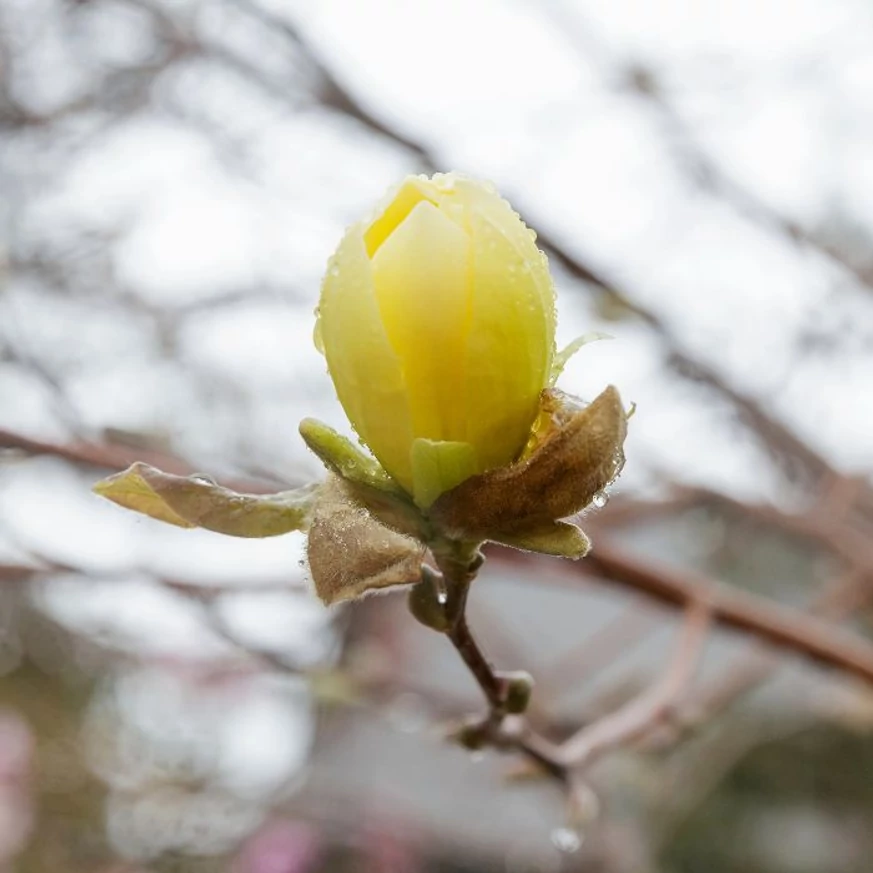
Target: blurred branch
(733, 608)
(828, 521)
(115, 457)
(654, 705)
(692, 158)
(333, 92)
(597, 651)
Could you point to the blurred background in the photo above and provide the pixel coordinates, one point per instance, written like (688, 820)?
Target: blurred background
(174, 175)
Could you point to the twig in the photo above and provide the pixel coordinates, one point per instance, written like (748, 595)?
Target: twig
(733, 608)
(493, 687)
(115, 457)
(456, 574)
(653, 705)
(759, 663)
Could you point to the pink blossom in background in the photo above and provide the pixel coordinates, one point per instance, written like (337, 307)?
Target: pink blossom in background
(16, 763)
(280, 847)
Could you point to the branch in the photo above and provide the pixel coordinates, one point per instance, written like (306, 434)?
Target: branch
(655, 704)
(493, 687)
(107, 456)
(841, 599)
(736, 609)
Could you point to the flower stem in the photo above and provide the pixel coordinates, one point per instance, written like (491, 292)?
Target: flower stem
(459, 568)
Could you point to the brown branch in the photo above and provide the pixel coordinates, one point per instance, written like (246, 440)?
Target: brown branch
(740, 610)
(105, 456)
(652, 706)
(758, 664)
(825, 523)
(492, 686)
(18, 572)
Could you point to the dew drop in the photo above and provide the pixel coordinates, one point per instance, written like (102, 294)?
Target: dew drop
(566, 840)
(444, 181)
(442, 595)
(599, 500)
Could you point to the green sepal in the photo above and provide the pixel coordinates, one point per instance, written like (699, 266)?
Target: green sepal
(369, 484)
(341, 456)
(192, 501)
(561, 540)
(438, 466)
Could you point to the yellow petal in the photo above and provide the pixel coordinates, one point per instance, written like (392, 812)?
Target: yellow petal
(511, 336)
(482, 199)
(365, 370)
(421, 277)
(399, 204)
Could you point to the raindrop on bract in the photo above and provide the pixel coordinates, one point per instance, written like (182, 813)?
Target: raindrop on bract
(442, 597)
(599, 500)
(566, 840)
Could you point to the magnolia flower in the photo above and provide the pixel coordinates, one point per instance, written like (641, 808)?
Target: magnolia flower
(437, 321)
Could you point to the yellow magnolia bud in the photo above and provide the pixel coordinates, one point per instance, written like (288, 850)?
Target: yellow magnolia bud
(437, 320)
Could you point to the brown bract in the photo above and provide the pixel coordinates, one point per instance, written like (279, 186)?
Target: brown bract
(577, 453)
(351, 553)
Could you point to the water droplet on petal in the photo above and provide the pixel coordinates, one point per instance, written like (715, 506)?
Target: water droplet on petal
(200, 477)
(599, 500)
(566, 840)
(442, 597)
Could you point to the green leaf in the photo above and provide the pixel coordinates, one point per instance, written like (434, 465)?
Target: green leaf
(190, 501)
(569, 350)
